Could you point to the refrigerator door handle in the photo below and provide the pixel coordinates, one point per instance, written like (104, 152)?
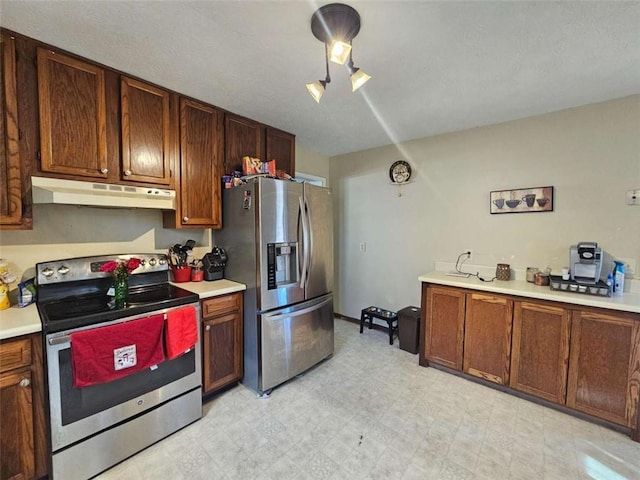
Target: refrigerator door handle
(298, 313)
(305, 246)
(309, 237)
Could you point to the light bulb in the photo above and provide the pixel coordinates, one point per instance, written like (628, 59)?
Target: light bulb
(339, 52)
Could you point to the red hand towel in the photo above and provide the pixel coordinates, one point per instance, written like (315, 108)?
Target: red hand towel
(181, 332)
(105, 354)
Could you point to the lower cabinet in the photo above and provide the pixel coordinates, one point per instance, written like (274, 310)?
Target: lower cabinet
(445, 324)
(604, 367)
(22, 431)
(487, 337)
(587, 359)
(222, 341)
(540, 350)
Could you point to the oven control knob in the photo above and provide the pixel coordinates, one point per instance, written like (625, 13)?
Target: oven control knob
(162, 261)
(63, 270)
(47, 272)
(152, 262)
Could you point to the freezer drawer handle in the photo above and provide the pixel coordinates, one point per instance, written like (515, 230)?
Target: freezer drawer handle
(304, 311)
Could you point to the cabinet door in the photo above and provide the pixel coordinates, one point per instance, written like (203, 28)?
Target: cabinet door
(222, 352)
(16, 418)
(71, 97)
(200, 145)
(145, 132)
(540, 350)
(445, 323)
(281, 147)
(243, 137)
(604, 366)
(487, 337)
(10, 180)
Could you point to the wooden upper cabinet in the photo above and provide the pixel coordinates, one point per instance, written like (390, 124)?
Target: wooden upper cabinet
(281, 147)
(540, 350)
(145, 132)
(10, 168)
(604, 366)
(445, 326)
(487, 337)
(72, 101)
(243, 138)
(200, 157)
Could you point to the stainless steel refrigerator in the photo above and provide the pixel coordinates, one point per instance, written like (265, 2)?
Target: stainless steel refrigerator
(279, 241)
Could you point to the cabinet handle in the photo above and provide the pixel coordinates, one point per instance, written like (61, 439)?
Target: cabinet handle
(127, 173)
(207, 328)
(25, 382)
(104, 170)
(185, 219)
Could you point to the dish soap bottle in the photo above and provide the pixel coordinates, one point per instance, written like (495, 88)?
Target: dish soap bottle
(618, 278)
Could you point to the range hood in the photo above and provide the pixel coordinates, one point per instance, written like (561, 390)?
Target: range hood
(72, 192)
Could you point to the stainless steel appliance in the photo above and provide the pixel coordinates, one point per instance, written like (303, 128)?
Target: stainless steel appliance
(586, 260)
(279, 241)
(92, 428)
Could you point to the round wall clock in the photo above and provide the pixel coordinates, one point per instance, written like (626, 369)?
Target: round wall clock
(400, 172)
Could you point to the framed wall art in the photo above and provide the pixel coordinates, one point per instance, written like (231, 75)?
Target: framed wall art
(522, 200)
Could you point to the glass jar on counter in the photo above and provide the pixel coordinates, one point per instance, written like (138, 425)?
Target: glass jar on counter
(542, 278)
(197, 274)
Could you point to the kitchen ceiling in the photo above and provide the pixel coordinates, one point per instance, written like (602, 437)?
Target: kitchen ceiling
(436, 66)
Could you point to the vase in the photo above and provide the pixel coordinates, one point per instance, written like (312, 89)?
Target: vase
(121, 291)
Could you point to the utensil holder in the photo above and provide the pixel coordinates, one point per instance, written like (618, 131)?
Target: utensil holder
(503, 271)
(181, 274)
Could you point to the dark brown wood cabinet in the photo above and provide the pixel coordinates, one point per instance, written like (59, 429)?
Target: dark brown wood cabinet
(281, 147)
(487, 337)
(146, 134)
(540, 350)
(604, 366)
(445, 325)
(201, 144)
(73, 120)
(222, 341)
(246, 137)
(243, 138)
(10, 167)
(22, 435)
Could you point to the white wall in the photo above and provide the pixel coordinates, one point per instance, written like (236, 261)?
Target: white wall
(590, 154)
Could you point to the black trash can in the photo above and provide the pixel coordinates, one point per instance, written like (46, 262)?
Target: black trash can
(409, 329)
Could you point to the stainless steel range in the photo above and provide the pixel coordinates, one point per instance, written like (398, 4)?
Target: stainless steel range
(94, 427)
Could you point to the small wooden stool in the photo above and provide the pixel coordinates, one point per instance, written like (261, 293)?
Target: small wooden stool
(391, 318)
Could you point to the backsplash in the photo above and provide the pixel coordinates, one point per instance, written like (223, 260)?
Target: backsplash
(66, 231)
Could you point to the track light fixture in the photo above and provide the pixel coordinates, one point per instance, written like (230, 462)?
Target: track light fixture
(335, 25)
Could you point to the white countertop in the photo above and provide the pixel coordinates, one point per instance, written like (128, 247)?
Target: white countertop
(628, 302)
(16, 321)
(212, 289)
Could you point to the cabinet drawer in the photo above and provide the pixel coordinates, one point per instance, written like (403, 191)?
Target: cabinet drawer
(223, 304)
(15, 354)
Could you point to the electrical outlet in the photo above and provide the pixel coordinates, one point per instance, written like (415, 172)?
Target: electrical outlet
(469, 258)
(363, 246)
(629, 266)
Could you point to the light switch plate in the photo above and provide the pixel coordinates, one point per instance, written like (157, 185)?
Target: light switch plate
(633, 197)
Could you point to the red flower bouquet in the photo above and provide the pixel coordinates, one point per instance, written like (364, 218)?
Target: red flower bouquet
(120, 269)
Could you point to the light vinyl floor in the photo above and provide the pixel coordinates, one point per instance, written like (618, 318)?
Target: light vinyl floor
(371, 412)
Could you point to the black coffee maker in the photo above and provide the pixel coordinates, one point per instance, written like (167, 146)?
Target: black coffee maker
(214, 263)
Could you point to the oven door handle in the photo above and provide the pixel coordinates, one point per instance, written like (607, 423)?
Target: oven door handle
(60, 340)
